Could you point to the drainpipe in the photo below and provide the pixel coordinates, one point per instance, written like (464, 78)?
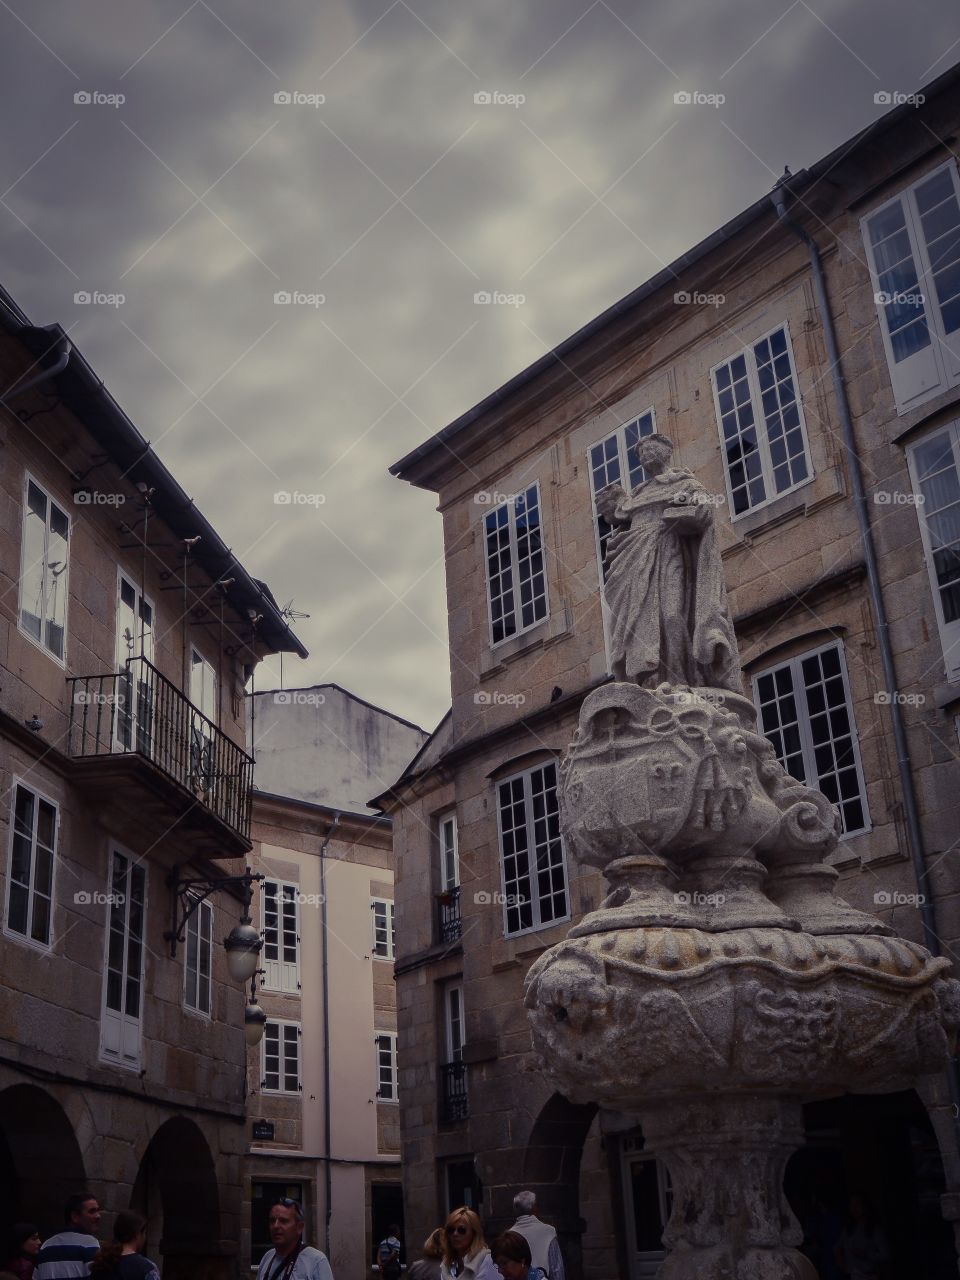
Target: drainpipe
(908, 791)
(63, 348)
(327, 1163)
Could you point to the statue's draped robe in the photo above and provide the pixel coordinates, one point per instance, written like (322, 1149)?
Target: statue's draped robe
(665, 592)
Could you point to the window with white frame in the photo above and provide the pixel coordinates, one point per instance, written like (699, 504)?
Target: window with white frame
(935, 471)
(43, 570)
(531, 850)
(281, 1057)
(453, 1018)
(122, 1016)
(913, 248)
(281, 936)
(516, 575)
(762, 433)
(33, 848)
(449, 855)
(384, 928)
(199, 950)
(385, 1044)
(806, 712)
(613, 461)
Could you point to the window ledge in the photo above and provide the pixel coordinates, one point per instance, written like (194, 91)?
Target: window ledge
(552, 628)
(801, 501)
(947, 696)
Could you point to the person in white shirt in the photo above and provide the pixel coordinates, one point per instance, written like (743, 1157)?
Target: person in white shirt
(68, 1254)
(290, 1258)
(540, 1236)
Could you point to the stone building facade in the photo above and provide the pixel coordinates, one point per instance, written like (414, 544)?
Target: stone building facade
(124, 761)
(729, 353)
(324, 1124)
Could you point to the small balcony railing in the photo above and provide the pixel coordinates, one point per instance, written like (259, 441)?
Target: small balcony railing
(449, 924)
(453, 1092)
(138, 711)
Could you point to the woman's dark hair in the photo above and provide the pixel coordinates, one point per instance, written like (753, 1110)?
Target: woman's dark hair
(125, 1230)
(512, 1246)
(19, 1232)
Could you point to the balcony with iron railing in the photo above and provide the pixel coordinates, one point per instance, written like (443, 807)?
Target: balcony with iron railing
(453, 1092)
(449, 923)
(139, 743)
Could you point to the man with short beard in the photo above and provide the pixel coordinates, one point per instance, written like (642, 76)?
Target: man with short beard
(290, 1258)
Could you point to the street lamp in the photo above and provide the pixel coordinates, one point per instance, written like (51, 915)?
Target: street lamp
(242, 944)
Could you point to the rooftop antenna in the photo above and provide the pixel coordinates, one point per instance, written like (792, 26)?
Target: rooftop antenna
(291, 615)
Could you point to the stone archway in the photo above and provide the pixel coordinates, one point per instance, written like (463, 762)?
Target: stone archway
(882, 1147)
(176, 1190)
(40, 1159)
(551, 1169)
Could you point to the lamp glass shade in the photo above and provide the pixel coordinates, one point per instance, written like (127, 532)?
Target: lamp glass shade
(254, 1021)
(243, 952)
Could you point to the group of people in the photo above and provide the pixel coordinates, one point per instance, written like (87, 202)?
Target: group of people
(76, 1252)
(458, 1250)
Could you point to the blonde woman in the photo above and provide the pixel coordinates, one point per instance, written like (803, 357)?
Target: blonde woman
(465, 1252)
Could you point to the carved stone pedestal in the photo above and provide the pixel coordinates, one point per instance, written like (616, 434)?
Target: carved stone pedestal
(726, 1157)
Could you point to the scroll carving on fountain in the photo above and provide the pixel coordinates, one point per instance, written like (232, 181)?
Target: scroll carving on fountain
(721, 982)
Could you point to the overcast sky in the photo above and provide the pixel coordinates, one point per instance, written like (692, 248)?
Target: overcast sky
(199, 197)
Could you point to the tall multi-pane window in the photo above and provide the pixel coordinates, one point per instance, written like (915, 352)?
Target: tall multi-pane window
(384, 929)
(805, 711)
(913, 247)
(613, 461)
(32, 854)
(385, 1049)
(197, 972)
(123, 989)
(449, 859)
(762, 432)
(531, 850)
(281, 936)
(453, 1014)
(516, 575)
(281, 1057)
(935, 468)
(43, 570)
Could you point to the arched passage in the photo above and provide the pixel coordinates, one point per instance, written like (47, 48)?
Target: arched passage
(551, 1169)
(881, 1148)
(176, 1189)
(40, 1160)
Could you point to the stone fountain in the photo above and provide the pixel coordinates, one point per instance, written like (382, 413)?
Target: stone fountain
(721, 982)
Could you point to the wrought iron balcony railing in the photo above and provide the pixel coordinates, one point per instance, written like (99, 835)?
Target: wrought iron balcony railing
(138, 711)
(449, 924)
(453, 1092)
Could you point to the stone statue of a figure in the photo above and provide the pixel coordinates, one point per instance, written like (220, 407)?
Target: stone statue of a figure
(665, 592)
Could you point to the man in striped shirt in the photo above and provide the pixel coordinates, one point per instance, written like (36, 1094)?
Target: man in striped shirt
(67, 1255)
